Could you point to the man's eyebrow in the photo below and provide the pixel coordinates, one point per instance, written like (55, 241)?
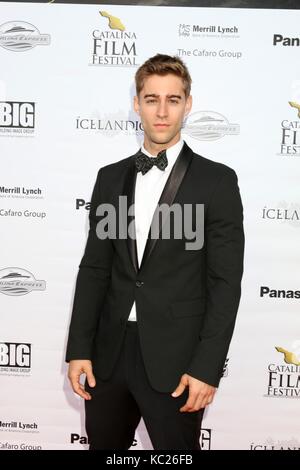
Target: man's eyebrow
(153, 95)
(175, 96)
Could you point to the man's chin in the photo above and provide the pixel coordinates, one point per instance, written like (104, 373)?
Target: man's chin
(162, 139)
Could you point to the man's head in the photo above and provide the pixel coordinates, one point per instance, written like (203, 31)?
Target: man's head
(162, 65)
(163, 99)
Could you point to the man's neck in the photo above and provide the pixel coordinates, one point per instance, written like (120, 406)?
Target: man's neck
(154, 148)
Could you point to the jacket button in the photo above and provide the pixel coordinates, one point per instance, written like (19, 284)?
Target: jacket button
(139, 283)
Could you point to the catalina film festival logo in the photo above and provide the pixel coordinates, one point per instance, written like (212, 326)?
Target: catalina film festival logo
(283, 376)
(290, 132)
(113, 46)
(19, 36)
(18, 281)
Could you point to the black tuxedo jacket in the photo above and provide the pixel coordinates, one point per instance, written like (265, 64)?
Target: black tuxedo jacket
(186, 300)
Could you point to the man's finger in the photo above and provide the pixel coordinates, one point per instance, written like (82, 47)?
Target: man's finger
(90, 378)
(79, 388)
(200, 403)
(190, 403)
(179, 390)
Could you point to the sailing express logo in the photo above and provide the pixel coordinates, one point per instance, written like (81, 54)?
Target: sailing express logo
(290, 133)
(19, 36)
(114, 46)
(18, 281)
(284, 376)
(209, 125)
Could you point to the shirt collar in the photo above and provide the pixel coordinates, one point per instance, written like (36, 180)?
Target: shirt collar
(172, 153)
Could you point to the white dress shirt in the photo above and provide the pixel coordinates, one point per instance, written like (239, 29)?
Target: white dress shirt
(148, 190)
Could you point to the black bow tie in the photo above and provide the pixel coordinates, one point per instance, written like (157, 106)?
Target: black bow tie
(144, 163)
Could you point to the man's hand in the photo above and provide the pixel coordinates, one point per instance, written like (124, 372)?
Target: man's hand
(200, 393)
(76, 368)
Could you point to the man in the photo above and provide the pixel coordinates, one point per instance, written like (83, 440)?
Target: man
(152, 319)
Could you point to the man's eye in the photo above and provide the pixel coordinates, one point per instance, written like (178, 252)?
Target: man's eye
(151, 101)
(174, 101)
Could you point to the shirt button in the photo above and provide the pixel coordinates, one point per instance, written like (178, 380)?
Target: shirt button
(139, 283)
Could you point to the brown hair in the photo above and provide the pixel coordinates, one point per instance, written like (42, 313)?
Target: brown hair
(162, 64)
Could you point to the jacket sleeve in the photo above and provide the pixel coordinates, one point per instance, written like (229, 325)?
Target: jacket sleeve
(91, 286)
(224, 238)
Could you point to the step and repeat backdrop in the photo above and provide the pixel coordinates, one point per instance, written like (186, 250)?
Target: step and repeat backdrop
(66, 92)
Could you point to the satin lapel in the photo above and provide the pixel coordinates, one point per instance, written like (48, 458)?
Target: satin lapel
(129, 191)
(169, 193)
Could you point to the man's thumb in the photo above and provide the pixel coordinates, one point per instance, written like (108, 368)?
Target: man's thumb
(90, 378)
(180, 389)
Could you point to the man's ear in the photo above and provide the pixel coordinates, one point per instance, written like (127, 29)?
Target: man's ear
(188, 105)
(136, 105)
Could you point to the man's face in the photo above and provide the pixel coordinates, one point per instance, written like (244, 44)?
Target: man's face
(162, 106)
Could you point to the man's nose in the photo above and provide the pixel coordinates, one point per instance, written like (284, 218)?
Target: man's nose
(162, 109)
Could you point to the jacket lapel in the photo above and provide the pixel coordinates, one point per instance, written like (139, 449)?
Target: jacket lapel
(169, 193)
(129, 191)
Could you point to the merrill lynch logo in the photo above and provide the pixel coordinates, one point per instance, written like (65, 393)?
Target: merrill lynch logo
(187, 30)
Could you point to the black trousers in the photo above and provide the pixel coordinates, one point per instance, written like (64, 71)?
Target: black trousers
(118, 404)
